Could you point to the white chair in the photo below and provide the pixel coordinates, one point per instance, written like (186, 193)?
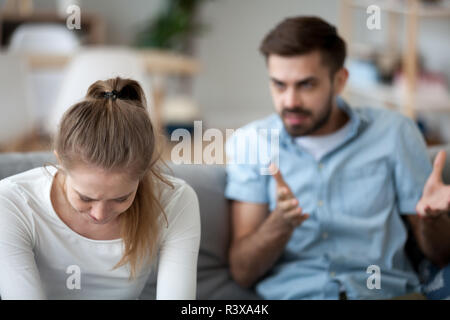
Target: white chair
(43, 38)
(50, 39)
(17, 117)
(90, 65)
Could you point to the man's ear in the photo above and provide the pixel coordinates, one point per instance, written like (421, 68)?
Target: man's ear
(340, 79)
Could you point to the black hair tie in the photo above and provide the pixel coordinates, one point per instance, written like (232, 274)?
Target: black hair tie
(111, 94)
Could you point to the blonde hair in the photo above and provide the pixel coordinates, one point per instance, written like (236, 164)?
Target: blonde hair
(111, 129)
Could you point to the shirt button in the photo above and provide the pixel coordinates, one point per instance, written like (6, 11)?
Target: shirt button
(320, 166)
(324, 235)
(332, 274)
(320, 203)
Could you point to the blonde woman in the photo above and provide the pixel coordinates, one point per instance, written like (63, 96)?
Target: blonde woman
(93, 226)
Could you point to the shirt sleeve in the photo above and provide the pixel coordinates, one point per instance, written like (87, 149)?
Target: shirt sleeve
(19, 275)
(245, 180)
(177, 264)
(412, 166)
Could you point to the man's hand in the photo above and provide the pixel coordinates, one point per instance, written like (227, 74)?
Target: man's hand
(436, 196)
(288, 212)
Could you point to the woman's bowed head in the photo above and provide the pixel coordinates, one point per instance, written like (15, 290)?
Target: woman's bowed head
(108, 160)
(107, 214)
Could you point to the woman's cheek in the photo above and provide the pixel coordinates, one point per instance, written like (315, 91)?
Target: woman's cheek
(81, 206)
(78, 205)
(124, 207)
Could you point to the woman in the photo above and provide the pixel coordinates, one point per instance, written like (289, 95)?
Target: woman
(93, 226)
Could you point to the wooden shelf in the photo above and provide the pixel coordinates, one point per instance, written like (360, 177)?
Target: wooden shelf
(169, 63)
(387, 96)
(412, 10)
(440, 9)
(158, 62)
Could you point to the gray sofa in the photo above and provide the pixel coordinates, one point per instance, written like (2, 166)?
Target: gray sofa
(213, 277)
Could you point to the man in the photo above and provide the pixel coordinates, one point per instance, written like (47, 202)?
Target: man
(331, 214)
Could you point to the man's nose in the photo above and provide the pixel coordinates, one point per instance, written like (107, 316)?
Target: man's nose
(291, 98)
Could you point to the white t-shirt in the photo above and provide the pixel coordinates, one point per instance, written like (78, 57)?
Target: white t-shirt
(318, 146)
(42, 258)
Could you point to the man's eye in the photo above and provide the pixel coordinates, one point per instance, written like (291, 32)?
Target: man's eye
(308, 85)
(85, 200)
(121, 200)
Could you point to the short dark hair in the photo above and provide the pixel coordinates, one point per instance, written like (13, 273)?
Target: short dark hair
(302, 35)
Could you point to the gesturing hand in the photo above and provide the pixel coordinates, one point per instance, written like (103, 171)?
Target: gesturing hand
(436, 196)
(287, 210)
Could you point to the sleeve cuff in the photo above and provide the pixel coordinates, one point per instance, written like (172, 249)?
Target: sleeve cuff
(251, 193)
(407, 206)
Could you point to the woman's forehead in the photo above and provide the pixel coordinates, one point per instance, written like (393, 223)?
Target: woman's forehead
(99, 183)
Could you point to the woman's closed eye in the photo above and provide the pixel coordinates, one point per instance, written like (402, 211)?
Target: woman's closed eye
(121, 200)
(85, 199)
(116, 200)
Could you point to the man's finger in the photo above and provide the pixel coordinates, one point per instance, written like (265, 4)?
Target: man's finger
(283, 193)
(438, 166)
(288, 204)
(293, 214)
(277, 175)
(432, 214)
(420, 210)
(295, 222)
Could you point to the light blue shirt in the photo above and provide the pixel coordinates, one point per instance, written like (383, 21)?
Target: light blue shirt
(355, 195)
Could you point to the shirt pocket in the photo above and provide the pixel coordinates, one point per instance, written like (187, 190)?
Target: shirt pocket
(366, 190)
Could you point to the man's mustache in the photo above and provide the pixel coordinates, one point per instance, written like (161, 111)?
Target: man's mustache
(296, 111)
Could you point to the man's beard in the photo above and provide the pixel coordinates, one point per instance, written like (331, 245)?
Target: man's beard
(302, 130)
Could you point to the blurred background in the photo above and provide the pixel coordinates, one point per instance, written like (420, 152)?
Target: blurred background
(199, 59)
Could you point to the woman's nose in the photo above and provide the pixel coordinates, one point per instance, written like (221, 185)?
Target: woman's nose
(99, 212)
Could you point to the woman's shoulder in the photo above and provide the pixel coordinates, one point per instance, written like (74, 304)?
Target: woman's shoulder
(27, 183)
(181, 207)
(17, 194)
(177, 197)
(175, 190)
(30, 177)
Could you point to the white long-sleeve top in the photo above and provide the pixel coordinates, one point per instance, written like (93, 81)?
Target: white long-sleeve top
(42, 258)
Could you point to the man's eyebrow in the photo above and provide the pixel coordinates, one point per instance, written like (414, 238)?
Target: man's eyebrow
(83, 196)
(300, 82)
